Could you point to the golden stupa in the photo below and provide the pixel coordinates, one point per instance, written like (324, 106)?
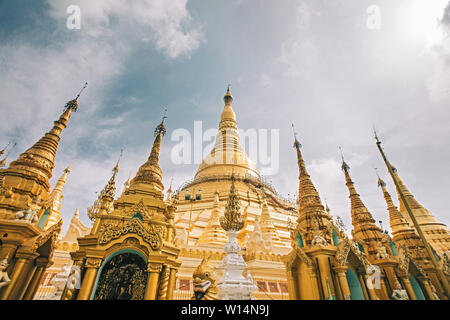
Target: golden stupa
(201, 202)
(144, 245)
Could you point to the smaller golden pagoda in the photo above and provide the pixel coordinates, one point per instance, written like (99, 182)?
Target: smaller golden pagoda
(214, 234)
(130, 253)
(28, 233)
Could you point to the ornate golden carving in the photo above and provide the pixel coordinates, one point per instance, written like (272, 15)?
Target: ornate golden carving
(133, 226)
(51, 233)
(154, 267)
(232, 219)
(93, 263)
(344, 248)
(405, 258)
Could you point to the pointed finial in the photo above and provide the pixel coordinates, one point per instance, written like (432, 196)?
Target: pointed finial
(376, 135)
(82, 89)
(161, 128)
(170, 186)
(127, 183)
(228, 98)
(326, 206)
(74, 103)
(345, 166)
(67, 170)
(116, 168)
(297, 144)
(381, 183)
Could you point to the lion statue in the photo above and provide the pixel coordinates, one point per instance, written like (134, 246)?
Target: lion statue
(205, 282)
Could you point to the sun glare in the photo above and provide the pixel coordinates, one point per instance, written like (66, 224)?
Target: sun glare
(424, 17)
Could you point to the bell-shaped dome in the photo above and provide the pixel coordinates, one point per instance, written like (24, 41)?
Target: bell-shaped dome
(227, 156)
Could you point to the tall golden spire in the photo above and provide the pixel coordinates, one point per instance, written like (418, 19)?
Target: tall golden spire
(228, 154)
(402, 232)
(150, 172)
(364, 225)
(435, 232)
(310, 207)
(397, 221)
(103, 204)
(232, 219)
(40, 158)
(55, 199)
(438, 235)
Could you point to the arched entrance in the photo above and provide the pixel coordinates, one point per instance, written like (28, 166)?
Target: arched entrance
(354, 285)
(123, 276)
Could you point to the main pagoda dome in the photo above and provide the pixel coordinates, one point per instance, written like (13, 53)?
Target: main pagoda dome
(227, 155)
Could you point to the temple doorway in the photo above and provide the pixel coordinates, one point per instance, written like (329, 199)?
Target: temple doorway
(123, 277)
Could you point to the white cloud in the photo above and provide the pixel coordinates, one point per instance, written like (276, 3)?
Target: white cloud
(37, 81)
(166, 23)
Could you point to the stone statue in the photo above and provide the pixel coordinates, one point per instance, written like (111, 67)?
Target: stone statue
(205, 282)
(381, 251)
(399, 293)
(28, 215)
(4, 278)
(318, 238)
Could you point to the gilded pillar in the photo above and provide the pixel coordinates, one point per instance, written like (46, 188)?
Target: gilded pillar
(41, 265)
(164, 283)
(292, 286)
(362, 282)
(92, 265)
(153, 277)
(409, 288)
(325, 275)
(383, 290)
(313, 284)
(28, 274)
(16, 278)
(172, 282)
(427, 288)
(22, 272)
(343, 283)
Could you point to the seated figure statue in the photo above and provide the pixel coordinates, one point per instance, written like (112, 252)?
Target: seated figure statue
(4, 278)
(28, 215)
(381, 251)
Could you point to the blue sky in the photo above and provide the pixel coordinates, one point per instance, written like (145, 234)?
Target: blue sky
(314, 63)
